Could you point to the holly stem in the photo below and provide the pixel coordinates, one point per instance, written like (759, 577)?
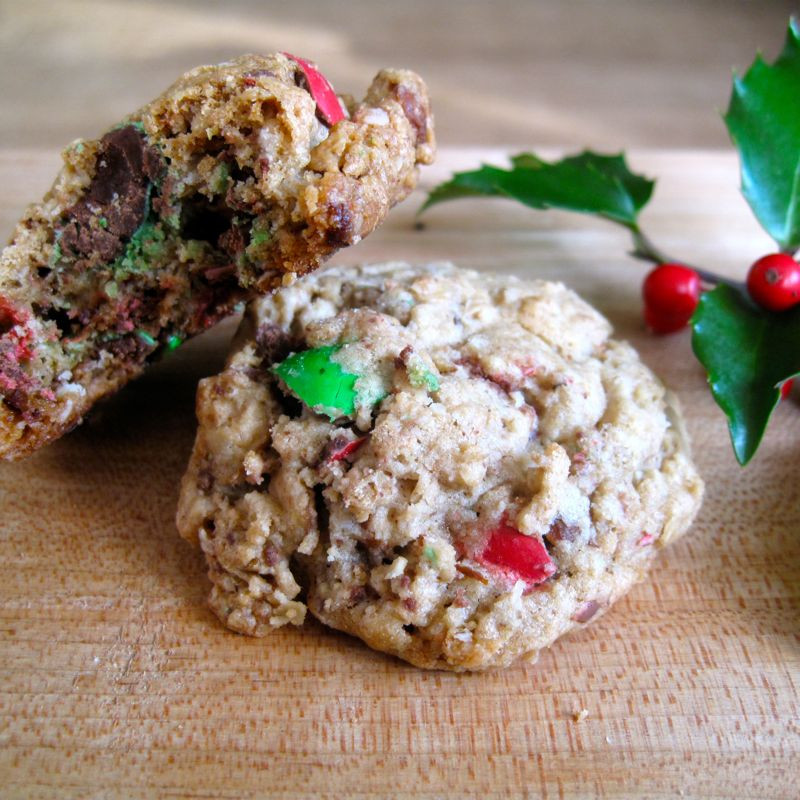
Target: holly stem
(646, 250)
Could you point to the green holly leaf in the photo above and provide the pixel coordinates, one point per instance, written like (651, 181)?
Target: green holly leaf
(747, 353)
(589, 183)
(763, 120)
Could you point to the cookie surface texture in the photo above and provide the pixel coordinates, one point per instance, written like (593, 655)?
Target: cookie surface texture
(456, 467)
(237, 175)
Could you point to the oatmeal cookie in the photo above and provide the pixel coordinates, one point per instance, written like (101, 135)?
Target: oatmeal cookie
(237, 175)
(456, 467)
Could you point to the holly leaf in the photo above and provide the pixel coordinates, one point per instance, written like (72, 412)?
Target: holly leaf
(478, 183)
(638, 188)
(589, 183)
(748, 353)
(763, 120)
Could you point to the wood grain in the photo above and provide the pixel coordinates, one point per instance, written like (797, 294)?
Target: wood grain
(116, 681)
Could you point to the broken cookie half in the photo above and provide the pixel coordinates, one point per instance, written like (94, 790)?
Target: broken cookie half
(237, 176)
(456, 467)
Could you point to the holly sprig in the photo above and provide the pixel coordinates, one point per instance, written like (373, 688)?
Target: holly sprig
(748, 349)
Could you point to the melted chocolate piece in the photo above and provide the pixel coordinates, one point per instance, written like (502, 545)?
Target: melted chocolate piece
(232, 241)
(130, 349)
(401, 361)
(411, 104)
(341, 225)
(273, 343)
(17, 388)
(115, 202)
(560, 531)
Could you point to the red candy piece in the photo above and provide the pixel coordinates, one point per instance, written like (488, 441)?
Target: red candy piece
(11, 320)
(524, 557)
(774, 282)
(786, 388)
(9, 316)
(22, 346)
(321, 90)
(338, 453)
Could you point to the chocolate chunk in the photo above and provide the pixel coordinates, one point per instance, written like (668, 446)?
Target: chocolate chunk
(273, 342)
(255, 374)
(205, 479)
(358, 594)
(272, 555)
(401, 360)
(232, 241)
(561, 532)
(166, 204)
(114, 204)
(341, 225)
(125, 166)
(83, 236)
(131, 349)
(411, 103)
(17, 388)
(410, 604)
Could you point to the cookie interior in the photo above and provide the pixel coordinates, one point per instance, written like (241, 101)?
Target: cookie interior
(208, 195)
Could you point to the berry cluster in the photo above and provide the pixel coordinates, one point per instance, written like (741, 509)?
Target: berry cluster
(671, 292)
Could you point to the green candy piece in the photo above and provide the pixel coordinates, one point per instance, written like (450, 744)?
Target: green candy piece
(319, 382)
(174, 342)
(430, 554)
(259, 237)
(146, 337)
(220, 178)
(423, 378)
(55, 255)
(145, 246)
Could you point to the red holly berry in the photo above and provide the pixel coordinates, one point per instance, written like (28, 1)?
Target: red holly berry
(774, 282)
(670, 292)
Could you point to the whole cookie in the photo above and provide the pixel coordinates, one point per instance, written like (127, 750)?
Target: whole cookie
(236, 175)
(456, 467)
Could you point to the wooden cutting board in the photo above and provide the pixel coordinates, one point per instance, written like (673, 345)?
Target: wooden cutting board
(117, 681)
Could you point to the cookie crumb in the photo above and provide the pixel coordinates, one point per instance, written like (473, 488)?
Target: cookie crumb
(580, 716)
